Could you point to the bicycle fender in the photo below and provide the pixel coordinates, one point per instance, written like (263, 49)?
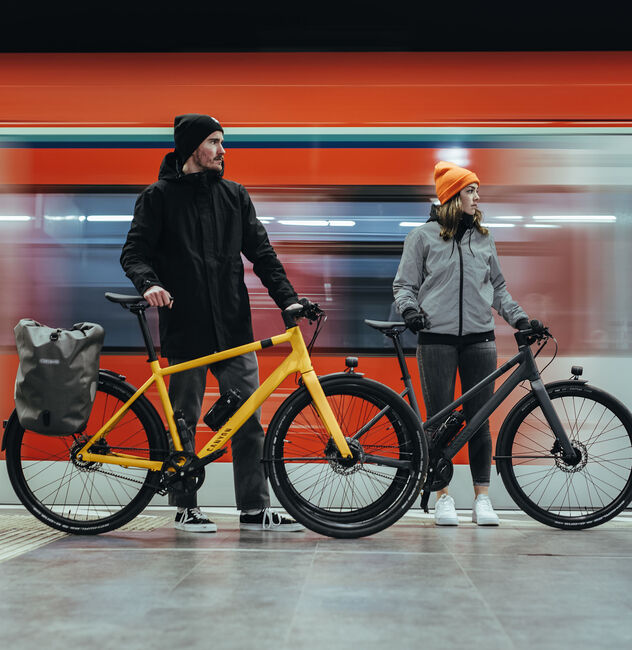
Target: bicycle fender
(7, 427)
(323, 379)
(526, 401)
(109, 375)
(332, 375)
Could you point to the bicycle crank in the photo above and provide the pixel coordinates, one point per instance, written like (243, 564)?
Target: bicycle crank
(440, 474)
(181, 478)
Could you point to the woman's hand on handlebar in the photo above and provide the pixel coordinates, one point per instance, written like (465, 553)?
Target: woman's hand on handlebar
(158, 297)
(534, 326)
(530, 331)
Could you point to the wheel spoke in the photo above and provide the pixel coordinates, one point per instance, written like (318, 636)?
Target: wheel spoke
(597, 485)
(76, 495)
(315, 483)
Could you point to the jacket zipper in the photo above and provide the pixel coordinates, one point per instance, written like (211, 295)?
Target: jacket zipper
(458, 244)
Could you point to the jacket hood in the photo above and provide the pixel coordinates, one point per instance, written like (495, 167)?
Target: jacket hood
(467, 220)
(434, 215)
(171, 170)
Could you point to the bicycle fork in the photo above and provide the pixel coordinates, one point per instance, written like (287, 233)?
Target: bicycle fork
(570, 455)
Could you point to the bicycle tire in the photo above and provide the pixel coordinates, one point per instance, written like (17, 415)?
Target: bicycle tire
(547, 488)
(87, 498)
(328, 495)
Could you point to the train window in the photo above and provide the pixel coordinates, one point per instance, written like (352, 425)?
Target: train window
(563, 252)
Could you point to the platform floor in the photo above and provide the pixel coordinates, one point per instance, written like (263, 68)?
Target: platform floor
(521, 585)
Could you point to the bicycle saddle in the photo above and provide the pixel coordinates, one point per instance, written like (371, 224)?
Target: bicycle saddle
(386, 326)
(122, 299)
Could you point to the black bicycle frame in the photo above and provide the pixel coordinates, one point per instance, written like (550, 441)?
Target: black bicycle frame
(526, 370)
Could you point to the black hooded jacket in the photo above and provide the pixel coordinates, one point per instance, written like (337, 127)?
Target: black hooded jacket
(187, 236)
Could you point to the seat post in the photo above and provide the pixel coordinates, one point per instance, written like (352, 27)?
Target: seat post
(144, 328)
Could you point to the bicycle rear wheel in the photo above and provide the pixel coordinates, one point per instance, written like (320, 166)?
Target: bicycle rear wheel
(82, 497)
(335, 496)
(547, 488)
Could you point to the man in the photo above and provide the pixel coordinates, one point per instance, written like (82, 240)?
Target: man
(183, 254)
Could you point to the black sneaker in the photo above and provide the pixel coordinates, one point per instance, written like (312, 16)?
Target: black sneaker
(193, 521)
(268, 520)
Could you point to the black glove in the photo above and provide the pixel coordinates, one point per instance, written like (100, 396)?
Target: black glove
(415, 320)
(534, 325)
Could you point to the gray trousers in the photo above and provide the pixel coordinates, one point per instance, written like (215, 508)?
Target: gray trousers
(186, 391)
(437, 367)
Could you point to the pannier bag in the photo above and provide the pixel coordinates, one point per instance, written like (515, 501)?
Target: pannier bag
(57, 377)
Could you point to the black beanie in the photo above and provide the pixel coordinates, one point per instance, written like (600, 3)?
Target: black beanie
(190, 130)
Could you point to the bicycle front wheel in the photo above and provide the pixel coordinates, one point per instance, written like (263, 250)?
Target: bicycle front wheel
(587, 493)
(347, 497)
(87, 497)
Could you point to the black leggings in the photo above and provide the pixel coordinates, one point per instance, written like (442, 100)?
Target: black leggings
(437, 367)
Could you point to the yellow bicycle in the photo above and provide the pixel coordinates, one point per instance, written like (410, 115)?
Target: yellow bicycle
(345, 455)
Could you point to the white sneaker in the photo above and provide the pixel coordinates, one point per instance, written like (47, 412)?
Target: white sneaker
(482, 512)
(445, 512)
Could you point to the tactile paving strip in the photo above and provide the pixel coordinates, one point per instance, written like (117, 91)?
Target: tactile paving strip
(20, 533)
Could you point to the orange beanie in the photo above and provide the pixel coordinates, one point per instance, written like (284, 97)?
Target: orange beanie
(450, 179)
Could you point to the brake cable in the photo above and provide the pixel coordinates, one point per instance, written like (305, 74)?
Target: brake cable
(320, 321)
(541, 347)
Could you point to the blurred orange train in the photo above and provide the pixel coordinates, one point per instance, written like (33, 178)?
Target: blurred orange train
(337, 150)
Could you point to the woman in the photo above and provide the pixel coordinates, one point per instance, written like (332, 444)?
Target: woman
(448, 280)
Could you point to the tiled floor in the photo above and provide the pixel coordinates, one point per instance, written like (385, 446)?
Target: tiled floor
(522, 585)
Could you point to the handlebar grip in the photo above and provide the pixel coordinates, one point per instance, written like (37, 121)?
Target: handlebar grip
(537, 327)
(306, 309)
(290, 316)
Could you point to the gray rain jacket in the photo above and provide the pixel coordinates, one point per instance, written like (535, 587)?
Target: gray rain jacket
(455, 283)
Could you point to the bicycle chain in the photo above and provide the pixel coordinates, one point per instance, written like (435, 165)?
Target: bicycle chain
(382, 446)
(162, 451)
(370, 471)
(124, 478)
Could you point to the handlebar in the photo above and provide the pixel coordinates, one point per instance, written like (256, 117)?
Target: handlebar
(307, 309)
(536, 331)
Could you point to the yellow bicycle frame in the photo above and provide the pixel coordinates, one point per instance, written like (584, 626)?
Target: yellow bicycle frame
(297, 360)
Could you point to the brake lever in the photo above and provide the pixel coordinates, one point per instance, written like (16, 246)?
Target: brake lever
(311, 310)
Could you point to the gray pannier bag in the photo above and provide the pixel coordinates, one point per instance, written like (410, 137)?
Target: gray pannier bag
(57, 377)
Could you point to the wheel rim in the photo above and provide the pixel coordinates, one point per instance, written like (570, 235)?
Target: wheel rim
(59, 485)
(596, 482)
(326, 486)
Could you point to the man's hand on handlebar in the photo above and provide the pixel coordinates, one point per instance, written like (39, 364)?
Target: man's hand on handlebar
(302, 309)
(416, 320)
(158, 297)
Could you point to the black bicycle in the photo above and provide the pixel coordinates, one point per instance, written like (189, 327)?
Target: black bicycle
(564, 451)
